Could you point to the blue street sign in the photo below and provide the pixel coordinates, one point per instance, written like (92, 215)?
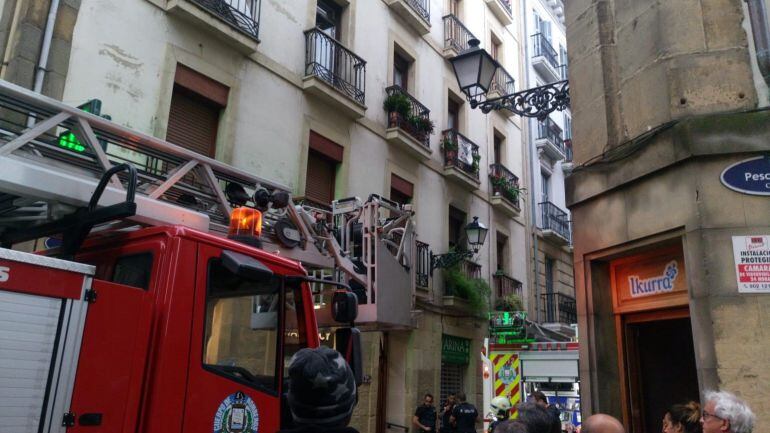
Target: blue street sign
(750, 176)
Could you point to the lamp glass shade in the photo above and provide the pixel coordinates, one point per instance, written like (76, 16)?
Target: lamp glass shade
(474, 70)
(476, 232)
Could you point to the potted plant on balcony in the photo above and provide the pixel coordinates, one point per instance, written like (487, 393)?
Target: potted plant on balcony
(475, 165)
(397, 104)
(450, 147)
(509, 302)
(474, 290)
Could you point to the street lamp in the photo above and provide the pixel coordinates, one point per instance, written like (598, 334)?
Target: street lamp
(476, 233)
(474, 70)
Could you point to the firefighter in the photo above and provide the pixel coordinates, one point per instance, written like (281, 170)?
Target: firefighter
(322, 392)
(501, 411)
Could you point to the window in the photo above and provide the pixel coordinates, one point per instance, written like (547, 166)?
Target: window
(498, 148)
(495, 47)
(453, 115)
(401, 190)
(502, 249)
(545, 186)
(196, 104)
(323, 157)
(134, 270)
(550, 303)
(456, 228)
(401, 71)
(451, 379)
(563, 54)
(328, 18)
(454, 7)
(241, 336)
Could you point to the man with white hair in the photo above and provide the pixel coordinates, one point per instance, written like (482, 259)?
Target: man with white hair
(726, 413)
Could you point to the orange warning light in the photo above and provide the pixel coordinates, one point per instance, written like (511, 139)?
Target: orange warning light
(245, 222)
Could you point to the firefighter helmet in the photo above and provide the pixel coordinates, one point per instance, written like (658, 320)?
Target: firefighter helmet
(500, 405)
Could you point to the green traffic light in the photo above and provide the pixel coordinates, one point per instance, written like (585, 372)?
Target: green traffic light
(68, 141)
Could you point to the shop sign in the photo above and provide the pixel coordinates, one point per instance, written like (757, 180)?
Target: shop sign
(455, 350)
(752, 263)
(750, 176)
(649, 281)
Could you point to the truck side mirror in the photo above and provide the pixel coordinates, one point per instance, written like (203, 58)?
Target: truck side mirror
(347, 341)
(344, 306)
(245, 266)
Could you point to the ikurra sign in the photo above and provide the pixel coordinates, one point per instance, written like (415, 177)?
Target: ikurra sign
(651, 280)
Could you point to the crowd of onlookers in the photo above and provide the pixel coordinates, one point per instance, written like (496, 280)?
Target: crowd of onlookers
(322, 394)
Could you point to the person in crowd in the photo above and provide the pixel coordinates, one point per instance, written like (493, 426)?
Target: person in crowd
(601, 423)
(425, 417)
(501, 411)
(541, 400)
(511, 426)
(683, 418)
(535, 417)
(726, 413)
(464, 415)
(446, 414)
(322, 392)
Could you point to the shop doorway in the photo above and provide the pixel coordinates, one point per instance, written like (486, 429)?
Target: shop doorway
(660, 366)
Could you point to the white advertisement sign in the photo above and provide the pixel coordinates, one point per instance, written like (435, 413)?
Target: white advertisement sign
(752, 263)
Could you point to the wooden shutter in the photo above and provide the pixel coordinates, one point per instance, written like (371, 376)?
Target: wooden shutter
(193, 121)
(321, 172)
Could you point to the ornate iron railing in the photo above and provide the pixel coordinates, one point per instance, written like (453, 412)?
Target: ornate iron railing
(456, 35)
(330, 61)
(558, 308)
(543, 47)
(241, 14)
(471, 269)
(554, 219)
(549, 130)
(422, 262)
(422, 7)
(505, 285)
(507, 5)
(504, 183)
(460, 152)
(502, 82)
(415, 122)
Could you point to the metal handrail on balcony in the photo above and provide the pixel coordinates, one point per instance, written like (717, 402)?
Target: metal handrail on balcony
(554, 219)
(549, 130)
(502, 82)
(470, 270)
(330, 61)
(422, 265)
(422, 7)
(543, 47)
(460, 152)
(505, 285)
(507, 5)
(456, 35)
(412, 122)
(241, 14)
(504, 183)
(558, 308)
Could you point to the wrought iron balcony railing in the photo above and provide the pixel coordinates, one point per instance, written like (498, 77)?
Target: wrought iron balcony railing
(553, 218)
(558, 308)
(542, 47)
(470, 270)
(549, 130)
(241, 14)
(422, 263)
(460, 152)
(504, 183)
(415, 122)
(456, 35)
(507, 5)
(502, 82)
(505, 285)
(422, 7)
(330, 61)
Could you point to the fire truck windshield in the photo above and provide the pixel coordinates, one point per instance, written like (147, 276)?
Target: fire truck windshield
(242, 319)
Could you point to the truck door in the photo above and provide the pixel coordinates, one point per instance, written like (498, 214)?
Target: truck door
(238, 349)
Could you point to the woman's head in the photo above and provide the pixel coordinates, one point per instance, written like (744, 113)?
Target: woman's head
(683, 418)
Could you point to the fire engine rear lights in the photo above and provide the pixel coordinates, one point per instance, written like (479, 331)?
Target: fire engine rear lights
(245, 223)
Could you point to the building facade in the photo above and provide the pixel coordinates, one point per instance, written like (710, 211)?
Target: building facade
(333, 98)
(671, 126)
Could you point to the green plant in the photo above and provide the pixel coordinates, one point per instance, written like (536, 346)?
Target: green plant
(398, 103)
(509, 302)
(474, 290)
(448, 144)
(506, 187)
(426, 125)
(475, 165)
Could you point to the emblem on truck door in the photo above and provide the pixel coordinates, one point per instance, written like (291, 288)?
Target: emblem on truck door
(237, 414)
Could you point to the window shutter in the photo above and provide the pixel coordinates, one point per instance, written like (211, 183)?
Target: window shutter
(319, 182)
(193, 122)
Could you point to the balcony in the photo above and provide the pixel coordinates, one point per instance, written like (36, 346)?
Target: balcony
(422, 265)
(236, 22)
(554, 223)
(558, 308)
(409, 124)
(505, 190)
(502, 84)
(549, 139)
(461, 159)
(416, 13)
(456, 36)
(505, 285)
(454, 297)
(544, 58)
(567, 164)
(502, 10)
(334, 74)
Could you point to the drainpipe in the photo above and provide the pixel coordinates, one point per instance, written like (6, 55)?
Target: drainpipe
(532, 194)
(42, 63)
(759, 28)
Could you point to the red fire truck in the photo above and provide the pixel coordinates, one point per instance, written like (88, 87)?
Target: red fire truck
(164, 307)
